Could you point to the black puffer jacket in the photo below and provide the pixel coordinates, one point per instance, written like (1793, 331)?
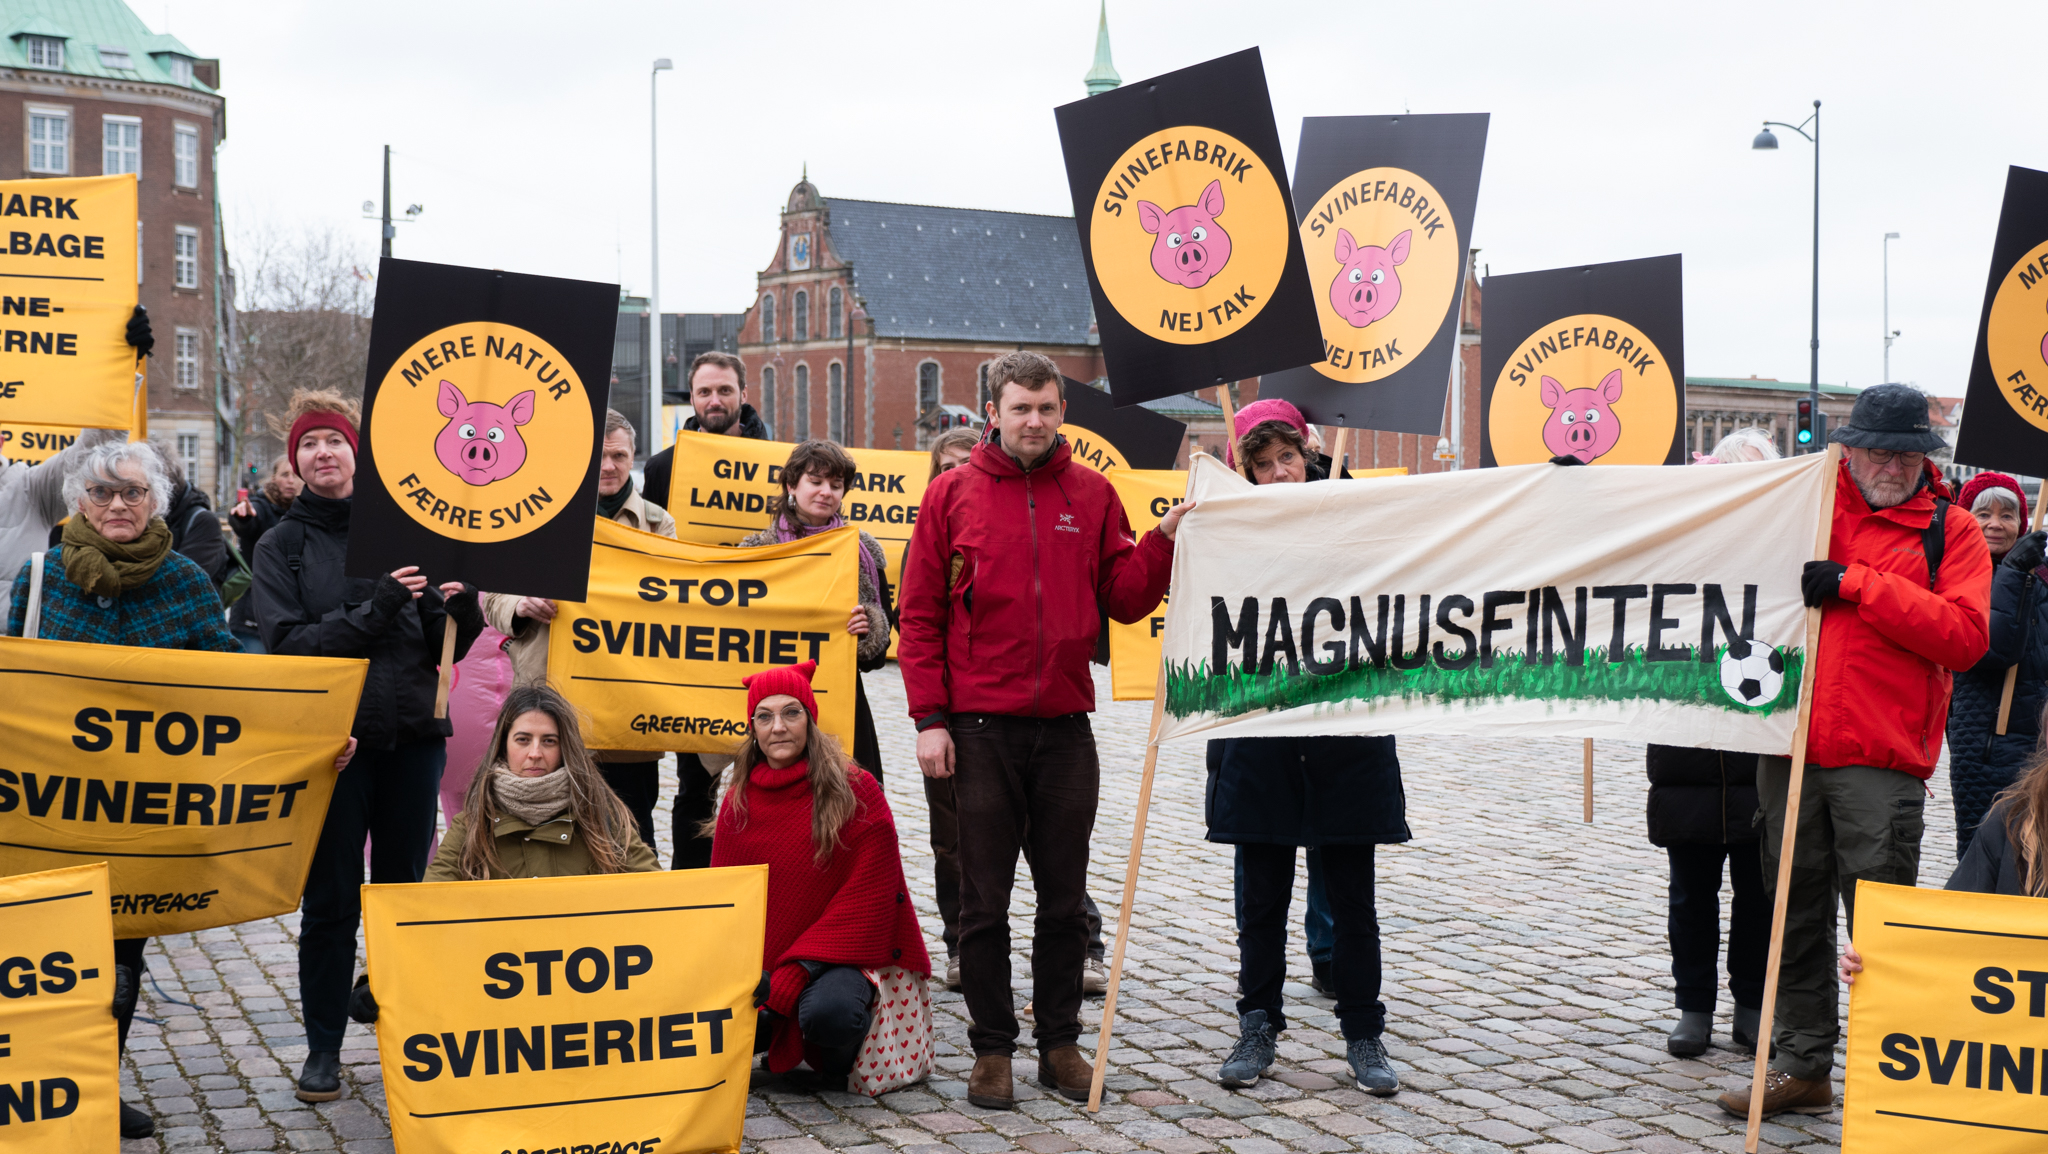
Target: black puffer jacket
(263, 517)
(1991, 865)
(309, 609)
(195, 533)
(661, 466)
(1981, 763)
(1701, 796)
(1306, 791)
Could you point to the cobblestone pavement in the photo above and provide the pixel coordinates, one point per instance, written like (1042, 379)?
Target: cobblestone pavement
(1528, 992)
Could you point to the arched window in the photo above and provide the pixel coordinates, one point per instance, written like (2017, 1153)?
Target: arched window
(800, 310)
(835, 400)
(983, 395)
(768, 397)
(767, 318)
(832, 322)
(927, 386)
(803, 397)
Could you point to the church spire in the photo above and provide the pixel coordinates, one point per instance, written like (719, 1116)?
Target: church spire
(1102, 74)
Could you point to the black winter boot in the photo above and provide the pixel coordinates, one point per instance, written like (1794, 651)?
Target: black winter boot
(320, 1080)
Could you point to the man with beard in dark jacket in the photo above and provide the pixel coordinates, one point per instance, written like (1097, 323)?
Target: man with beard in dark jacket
(391, 794)
(1013, 555)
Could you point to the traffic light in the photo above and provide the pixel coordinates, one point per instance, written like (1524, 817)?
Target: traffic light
(1803, 432)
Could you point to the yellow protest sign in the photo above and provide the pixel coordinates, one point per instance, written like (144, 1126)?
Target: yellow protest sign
(1947, 1043)
(1093, 450)
(33, 444)
(69, 272)
(201, 778)
(1134, 649)
(60, 1077)
(654, 658)
(613, 1012)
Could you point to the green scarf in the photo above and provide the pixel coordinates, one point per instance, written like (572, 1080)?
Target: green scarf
(608, 507)
(106, 568)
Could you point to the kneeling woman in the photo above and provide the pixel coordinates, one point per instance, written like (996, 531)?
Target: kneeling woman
(837, 903)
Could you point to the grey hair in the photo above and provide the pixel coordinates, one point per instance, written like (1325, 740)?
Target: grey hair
(1997, 493)
(101, 464)
(616, 422)
(1745, 445)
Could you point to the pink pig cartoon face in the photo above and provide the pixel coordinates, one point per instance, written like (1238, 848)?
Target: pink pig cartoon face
(1582, 421)
(481, 441)
(1190, 247)
(1367, 287)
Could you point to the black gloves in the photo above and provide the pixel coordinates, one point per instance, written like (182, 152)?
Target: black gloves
(1821, 580)
(362, 1005)
(2029, 551)
(1565, 459)
(138, 331)
(761, 991)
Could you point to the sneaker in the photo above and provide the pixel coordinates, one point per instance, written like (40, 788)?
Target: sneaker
(1252, 1055)
(1094, 977)
(320, 1080)
(952, 971)
(1783, 1094)
(1371, 1066)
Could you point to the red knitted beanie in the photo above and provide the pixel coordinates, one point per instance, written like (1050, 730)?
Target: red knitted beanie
(320, 419)
(794, 680)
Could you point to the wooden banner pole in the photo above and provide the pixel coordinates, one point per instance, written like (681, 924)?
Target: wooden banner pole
(1337, 452)
(1789, 838)
(447, 667)
(1229, 416)
(1586, 774)
(2012, 677)
(1123, 921)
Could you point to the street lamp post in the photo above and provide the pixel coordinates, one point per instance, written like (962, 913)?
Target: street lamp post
(657, 353)
(1889, 333)
(1767, 142)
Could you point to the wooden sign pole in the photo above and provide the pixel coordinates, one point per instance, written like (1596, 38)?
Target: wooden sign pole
(1789, 838)
(447, 667)
(1337, 452)
(2012, 677)
(1229, 415)
(1123, 921)
(1586, 775)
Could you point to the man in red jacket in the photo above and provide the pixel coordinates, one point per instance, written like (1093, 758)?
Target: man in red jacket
(1905, 597)
(1014, 552)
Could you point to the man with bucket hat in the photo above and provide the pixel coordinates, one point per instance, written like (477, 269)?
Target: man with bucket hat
(1905, 599)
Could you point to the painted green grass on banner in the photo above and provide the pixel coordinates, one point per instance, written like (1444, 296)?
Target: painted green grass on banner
(1191, 688)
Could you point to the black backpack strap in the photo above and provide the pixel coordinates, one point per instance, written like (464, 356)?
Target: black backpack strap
(1934, 539)
(292, 539)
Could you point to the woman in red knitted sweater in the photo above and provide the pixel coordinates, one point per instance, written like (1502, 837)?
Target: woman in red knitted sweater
(837, 903)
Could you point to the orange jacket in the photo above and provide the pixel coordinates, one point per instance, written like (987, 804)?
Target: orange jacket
(1888, 644)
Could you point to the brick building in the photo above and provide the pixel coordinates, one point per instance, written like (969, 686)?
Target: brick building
(87, 89)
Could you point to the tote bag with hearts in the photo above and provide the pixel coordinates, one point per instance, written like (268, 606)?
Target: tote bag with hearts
(898, 1048)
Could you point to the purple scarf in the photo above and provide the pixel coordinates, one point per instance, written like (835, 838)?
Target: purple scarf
(785, 533)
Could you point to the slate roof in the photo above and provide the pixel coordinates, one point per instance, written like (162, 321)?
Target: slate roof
(84, 26)
(965, 273)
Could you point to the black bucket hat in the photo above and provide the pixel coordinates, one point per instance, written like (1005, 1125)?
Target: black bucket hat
(1889, 417)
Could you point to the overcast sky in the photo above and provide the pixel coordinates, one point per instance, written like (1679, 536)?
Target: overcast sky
(1619, 130)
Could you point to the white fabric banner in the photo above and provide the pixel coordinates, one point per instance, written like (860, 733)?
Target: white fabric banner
(1640, 603)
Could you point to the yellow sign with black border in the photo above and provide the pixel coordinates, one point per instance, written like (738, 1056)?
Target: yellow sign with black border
(59, 1065)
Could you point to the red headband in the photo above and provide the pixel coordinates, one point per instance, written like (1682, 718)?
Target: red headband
(319, 420)
(794, 680)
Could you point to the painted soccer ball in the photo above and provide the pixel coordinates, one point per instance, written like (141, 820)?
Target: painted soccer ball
(1752, 673)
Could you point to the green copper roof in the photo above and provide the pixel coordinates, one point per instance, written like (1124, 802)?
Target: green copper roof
(1102, 74)
(87, 26)
(1770, 386)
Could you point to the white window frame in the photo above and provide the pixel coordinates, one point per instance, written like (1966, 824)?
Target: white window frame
(56, 154)
(180, 69)
(188, 456)
(111, 154)
(185, 257)
(183, 137)
(116, 58)
(44, 52)
(185, 357)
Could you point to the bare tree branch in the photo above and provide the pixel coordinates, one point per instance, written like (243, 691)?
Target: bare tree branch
(303, 321)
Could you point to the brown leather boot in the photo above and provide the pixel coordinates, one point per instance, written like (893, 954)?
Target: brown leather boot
(1782, 1094)
(1065, 1070)
(989, 1086)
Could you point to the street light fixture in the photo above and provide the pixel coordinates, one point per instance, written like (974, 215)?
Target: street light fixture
(658, 361)
(1889, 332)
(1767, 142)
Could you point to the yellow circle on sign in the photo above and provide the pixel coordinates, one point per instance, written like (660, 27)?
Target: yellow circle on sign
(2016, 337)
(1589, 385)
(1189, 235)
(1383, 257)
(482, 432)
(1087, 447)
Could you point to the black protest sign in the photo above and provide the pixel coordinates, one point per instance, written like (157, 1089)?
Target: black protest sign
(1103, 436)
(1586, 361)
(1180, 195)
(482, 413)
(2006, 407)
(1386, 207)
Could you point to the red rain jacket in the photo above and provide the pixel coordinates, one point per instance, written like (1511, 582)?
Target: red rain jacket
(1010, 628)
(1881, 689)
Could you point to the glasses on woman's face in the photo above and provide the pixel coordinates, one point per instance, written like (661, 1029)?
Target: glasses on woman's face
(102, 496)
(1911, 461)
(790, 717)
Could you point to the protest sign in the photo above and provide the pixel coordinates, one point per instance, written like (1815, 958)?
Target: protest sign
(613, 1012)
(1134, 649)
(1180, 194)
(1103, 436)
(482, 413)
(655, 655)
(201, 778)
(34, 444)
(1385, 205)
(1946, 1039)
(2007, 401)
(1590, 362)
(70, 269)
(1645, 604)
(60, 1067)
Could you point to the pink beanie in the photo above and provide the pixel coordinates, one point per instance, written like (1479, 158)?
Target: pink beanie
(1257, 413)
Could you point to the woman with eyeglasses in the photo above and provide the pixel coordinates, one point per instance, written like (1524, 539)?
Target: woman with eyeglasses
(837, 902)
(116, 581)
